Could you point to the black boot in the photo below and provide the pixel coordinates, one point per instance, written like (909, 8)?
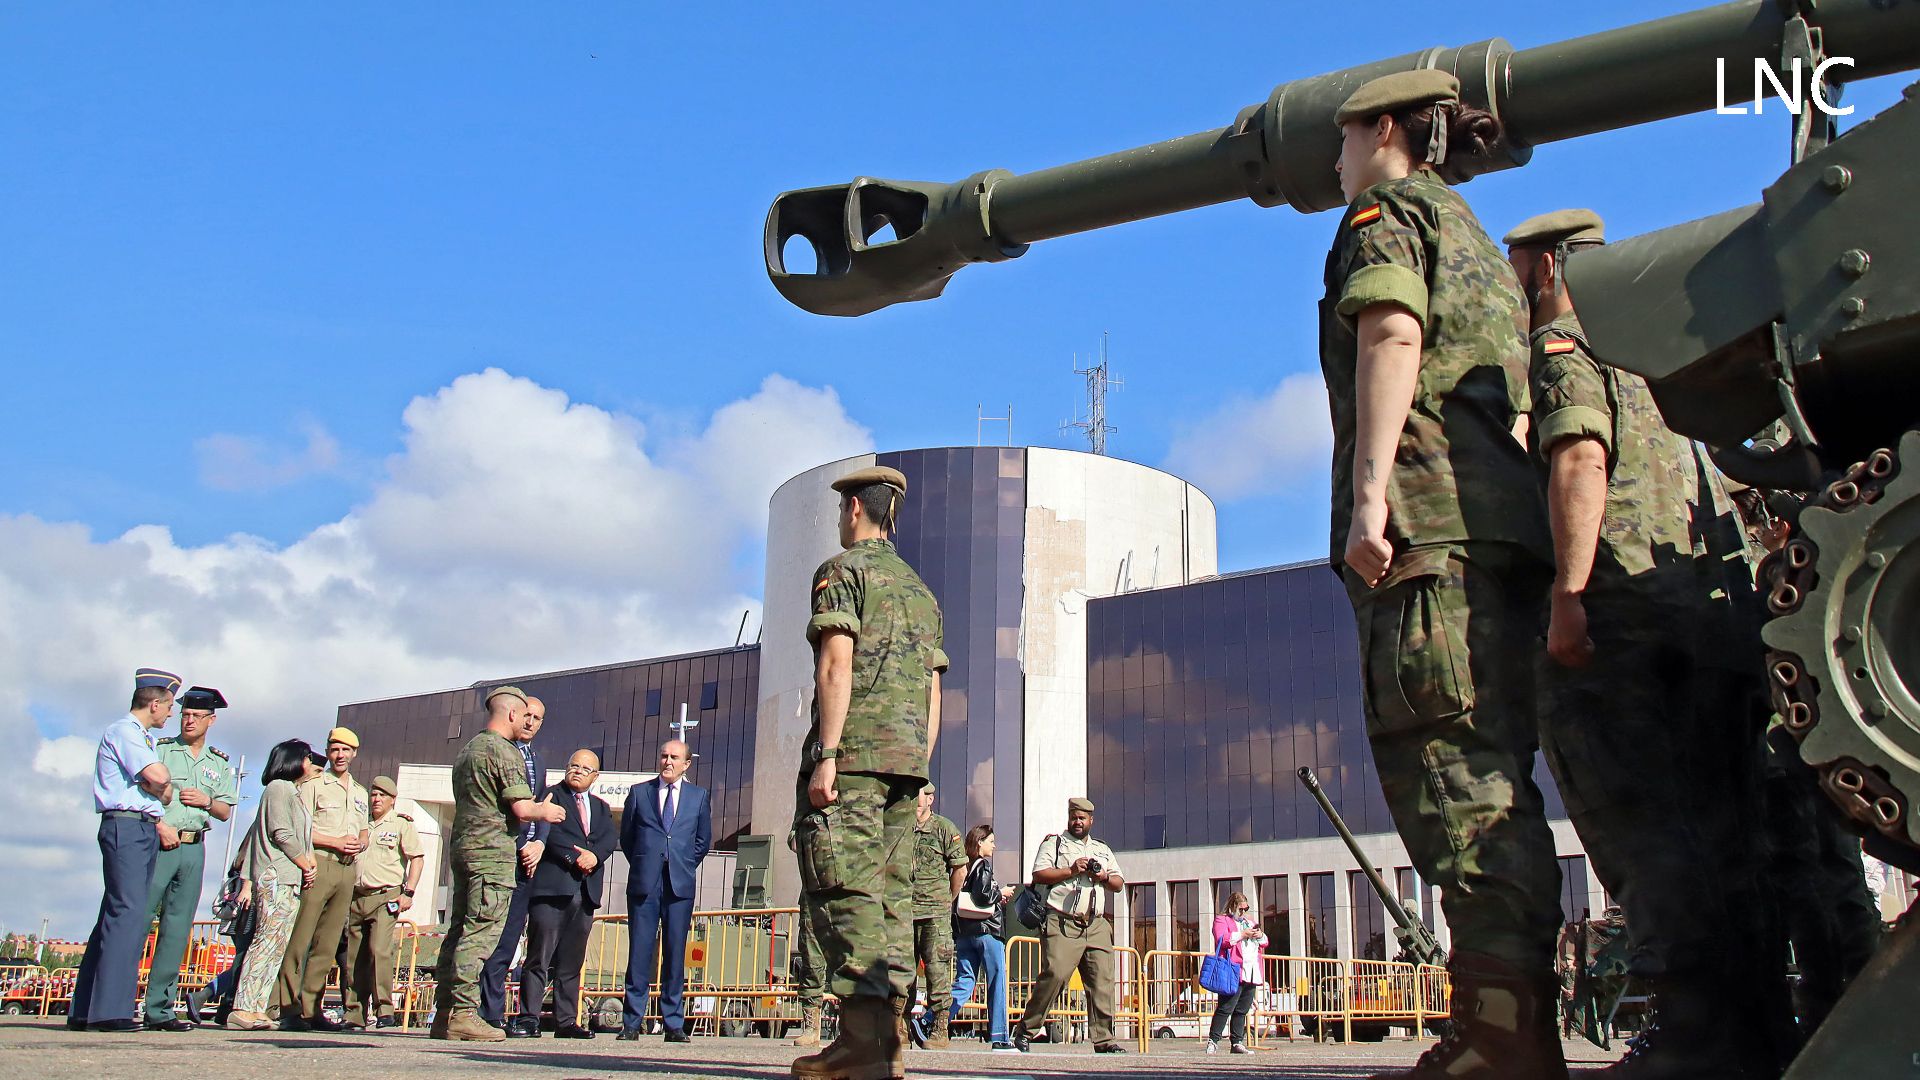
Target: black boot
(1690, 1035)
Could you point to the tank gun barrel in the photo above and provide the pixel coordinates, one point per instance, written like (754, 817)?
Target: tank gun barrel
(1281, 151)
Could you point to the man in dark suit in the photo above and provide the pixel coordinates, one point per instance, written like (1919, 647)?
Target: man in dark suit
(566, 892)
(530, 841)
(665, 831)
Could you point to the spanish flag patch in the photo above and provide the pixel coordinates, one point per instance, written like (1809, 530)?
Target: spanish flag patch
(1365, 217)
(1556, 348)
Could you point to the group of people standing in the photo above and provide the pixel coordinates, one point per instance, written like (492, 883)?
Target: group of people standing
(324, 863)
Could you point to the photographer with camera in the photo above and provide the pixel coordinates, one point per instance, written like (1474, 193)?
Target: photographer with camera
(1079, 875)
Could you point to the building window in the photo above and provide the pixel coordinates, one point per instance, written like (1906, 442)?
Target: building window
(1275, 919)
(653, 703)
(1573, 888)
(1317, 894)
(1184, 898)
(1224, 887)
(1369, 919)
(1412, 891)
(709, 696)
(1143, 910)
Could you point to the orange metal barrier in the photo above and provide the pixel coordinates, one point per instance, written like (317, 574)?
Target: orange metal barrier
(1299, 995)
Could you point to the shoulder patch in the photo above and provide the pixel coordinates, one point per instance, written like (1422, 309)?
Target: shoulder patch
(1364, 217)
(219, 753)
(404, 817)
(166, 740)
(1558, 348)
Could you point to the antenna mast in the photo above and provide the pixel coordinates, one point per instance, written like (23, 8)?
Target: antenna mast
(1095, 425)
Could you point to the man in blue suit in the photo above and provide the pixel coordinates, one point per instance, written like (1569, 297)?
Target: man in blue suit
(665, 831)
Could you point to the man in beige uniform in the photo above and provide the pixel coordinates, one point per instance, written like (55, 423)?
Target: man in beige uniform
(338, 805)
(388, 874)
(1079, 874)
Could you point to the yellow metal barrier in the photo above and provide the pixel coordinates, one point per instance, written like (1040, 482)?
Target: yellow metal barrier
(1299, 994)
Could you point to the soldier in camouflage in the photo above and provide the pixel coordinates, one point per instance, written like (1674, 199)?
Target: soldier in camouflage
(1441, 537)
(939, 868)
(876, 716)
(1650, 684)
(490, 800)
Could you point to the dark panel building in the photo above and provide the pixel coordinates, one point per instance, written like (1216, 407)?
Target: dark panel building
(1203, 699)
(620, 711)
(963, 529)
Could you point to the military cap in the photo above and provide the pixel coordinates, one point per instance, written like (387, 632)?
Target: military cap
(510, 691)
(385, 785)
(1559, 227)
(344, 736)
(1079, 803)
(1400, 90)
(877, 474)
(146, 677)
(203, 697)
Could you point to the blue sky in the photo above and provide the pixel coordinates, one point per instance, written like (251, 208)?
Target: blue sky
(326, 329)
(225, 221)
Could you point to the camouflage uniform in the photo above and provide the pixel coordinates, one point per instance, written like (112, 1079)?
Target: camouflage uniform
(855, 866)
(1653, 744)
(937, 851)
(488, 777)
(1450, 715)
(1814, 865)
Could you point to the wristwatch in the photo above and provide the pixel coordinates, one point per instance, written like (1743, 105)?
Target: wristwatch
(406, 893)
(828, 753)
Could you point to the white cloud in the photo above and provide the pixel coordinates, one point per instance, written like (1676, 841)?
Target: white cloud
(245, 463)
(1261, 446)
(516, 531)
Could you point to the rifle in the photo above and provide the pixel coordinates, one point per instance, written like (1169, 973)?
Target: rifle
(1416, 941)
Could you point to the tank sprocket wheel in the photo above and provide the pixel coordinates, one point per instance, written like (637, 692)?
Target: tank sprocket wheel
(1844, 643)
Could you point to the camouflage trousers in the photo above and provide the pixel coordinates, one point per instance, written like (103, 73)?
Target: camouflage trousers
(476, 916)
(856, 877)
(933, 952)
(1815, 870)
(809, 969)
(1658, 760)
(1445, 649)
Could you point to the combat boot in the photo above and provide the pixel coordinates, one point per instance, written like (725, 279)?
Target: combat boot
(809, 1034)
(465, 1025)
(867, 1048)
(1502, 1026)
(937, 1032)
(1689, 1036)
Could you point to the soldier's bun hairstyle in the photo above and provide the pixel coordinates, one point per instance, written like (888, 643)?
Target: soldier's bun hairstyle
(1471, 132)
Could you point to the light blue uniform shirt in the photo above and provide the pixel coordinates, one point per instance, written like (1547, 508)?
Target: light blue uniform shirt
(125, 750)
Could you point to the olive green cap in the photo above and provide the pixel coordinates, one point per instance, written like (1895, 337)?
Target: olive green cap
(509, 691)
(877, 474)
(1079, 803)
(1400, 90)
(1559, 227)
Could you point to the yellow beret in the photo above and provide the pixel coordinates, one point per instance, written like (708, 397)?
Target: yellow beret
(343, 735)
(1559, 227)
(878, 474)
(1400, 90)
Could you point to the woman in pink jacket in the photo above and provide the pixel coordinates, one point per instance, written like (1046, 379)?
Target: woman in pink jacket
(1244, 943)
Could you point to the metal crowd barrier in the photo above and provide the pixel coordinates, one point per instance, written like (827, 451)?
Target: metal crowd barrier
(738, 983)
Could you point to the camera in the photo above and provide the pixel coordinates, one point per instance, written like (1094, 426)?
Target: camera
(1094, 868)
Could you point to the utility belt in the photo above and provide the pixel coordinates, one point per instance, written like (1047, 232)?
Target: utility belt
(135, 814)
(338, 856)
(192, 836)
(374, 890)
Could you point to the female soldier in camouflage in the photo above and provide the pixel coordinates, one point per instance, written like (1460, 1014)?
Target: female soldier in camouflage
(1441, 537)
